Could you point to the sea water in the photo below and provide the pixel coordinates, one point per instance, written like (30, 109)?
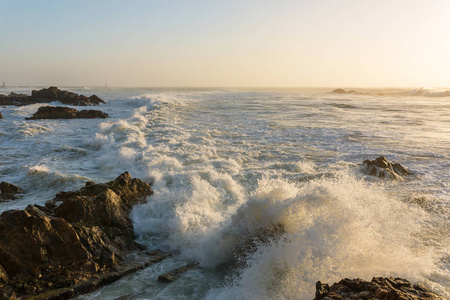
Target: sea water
(263, 189)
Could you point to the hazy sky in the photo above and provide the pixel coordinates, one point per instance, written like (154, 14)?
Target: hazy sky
(319, 43)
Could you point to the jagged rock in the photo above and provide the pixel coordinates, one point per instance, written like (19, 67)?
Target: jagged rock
(382, 168)
(174, 274)
(6, 187)
(89, 232)
(49, 95)
(91, 114)
(58, 112)
(9, 191)
(96, 282)
(65, 97)
(380, 288)
(15, 95)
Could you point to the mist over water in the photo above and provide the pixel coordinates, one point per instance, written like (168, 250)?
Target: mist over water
(263, 189)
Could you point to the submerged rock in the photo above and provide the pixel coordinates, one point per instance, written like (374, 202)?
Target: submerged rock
(58, 112)
(9, 191)
(89, 233)
(382, 168)
(380, 288)
(49, 95)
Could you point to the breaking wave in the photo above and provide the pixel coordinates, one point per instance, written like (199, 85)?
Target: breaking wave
(425, 92)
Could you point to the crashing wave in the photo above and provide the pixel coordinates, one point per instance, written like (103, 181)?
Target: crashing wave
(425, 92)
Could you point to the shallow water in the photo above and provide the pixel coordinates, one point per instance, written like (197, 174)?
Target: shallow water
(228, 166)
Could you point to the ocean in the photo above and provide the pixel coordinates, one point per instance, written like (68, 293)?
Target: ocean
(264, 189)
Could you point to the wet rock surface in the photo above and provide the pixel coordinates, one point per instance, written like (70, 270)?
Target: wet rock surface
(74, 238)
(49, 95)
(380, 288)
(9, 191)
(174, 274)
(382, 168)
(58, 112)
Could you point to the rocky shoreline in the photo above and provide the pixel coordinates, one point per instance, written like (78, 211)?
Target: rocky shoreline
(49, 95)
(379, 288)
(73, 239)
(58, 112)
(82, 240)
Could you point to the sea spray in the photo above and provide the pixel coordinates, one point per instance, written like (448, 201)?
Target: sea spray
(255, 186)
(334, 228)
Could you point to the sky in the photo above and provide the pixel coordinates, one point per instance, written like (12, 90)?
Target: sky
(215, 43)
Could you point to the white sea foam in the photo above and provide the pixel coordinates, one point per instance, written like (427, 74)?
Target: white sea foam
(427, 92)
(335, 228)
(228, 167)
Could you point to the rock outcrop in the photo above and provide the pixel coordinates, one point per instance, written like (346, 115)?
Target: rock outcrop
(73, 238)
(49, 95)
(59, 112)
(9, 191)
(382, 168)
(380, 288)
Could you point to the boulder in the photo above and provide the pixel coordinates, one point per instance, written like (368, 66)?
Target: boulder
(89, 232)
(1, 117)
(54, 94)
(382, 168)
(58, 112)
(380, 288)
(49, 95)
(91, 114)
(9, 191)
(51, 112)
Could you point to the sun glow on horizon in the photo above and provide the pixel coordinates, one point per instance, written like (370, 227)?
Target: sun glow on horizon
(257, 43)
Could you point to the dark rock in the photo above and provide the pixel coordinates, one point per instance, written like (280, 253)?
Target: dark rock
(49, 95)
(96, 282)
(58, 112)
(382, 168)
(174, 274)
(380, 288)
(15, 95)
(88, 233)
(51, 112)
(6, 187)
(91, 114)
(339, 91)
(1, 117)
(9, 191)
